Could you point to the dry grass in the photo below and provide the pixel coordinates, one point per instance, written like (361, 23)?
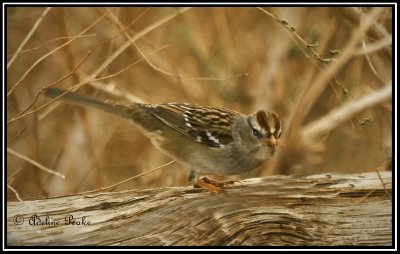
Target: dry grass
(245, 59)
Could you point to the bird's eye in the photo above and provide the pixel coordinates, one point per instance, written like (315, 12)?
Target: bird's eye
(256, 133)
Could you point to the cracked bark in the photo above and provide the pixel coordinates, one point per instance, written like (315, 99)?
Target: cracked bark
(354, 209)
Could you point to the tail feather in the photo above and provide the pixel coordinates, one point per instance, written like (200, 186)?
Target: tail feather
(85, 101)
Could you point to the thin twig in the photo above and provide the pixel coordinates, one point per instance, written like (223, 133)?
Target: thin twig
(319, 62)
(10, 178)
(15, 192)
(136, 37)
(375, 46)
(94, 74)
(115, 91)
(372, 191)
(384, 185)
(129, 179)
(292, 30)
(361, 200)
(22, 113)
(29, 35)
(152, 65)
(16, 136)
(347, 111)
(48, 42)
(311, 95)
(40, 166)
(76, 87)
(50, 53)
(36, 97)
(115, 28)
(371, 66)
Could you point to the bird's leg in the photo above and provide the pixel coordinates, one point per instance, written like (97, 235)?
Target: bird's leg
(208, 186)
(217, 183)
(207, 183)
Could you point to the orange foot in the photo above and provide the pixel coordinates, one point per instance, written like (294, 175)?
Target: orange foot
(212, 185)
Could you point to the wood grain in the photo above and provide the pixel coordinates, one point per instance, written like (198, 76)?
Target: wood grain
(309, 210)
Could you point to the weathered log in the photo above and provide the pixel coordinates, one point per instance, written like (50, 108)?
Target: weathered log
(309, 210)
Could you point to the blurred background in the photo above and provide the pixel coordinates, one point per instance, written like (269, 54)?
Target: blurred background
(244, 59)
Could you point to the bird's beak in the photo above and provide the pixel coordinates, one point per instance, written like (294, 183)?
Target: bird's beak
(271, 142)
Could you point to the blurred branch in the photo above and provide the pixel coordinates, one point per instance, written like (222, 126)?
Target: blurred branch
(320, 61)
(111, 187)
(296, 151)
(158, 69)
(50, 53)
(12, 139)
(29, 35)
(113, 90)
(314, 91)
(388, 195)
(48, 42)
(94, 74)
(370, 64)
(374, 46)
(34, 163)
(344, 113)
(231, 40)
(73, 88)
(15, 192)
(36, 97)
(314, 210)
(292, 30)
(138, 35)
(11, 177)
(378, 30)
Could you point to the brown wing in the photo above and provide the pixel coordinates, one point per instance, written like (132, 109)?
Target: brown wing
(206, 125)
